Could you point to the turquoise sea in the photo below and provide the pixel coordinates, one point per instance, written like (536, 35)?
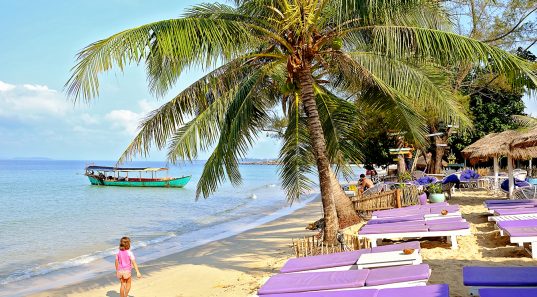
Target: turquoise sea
(56, 229)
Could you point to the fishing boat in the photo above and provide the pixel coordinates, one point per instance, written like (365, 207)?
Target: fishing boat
(133, 177)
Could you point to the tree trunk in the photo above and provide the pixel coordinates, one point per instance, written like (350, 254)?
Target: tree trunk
(346, 213)
(319, 151)
(401, 165)
(439, 153)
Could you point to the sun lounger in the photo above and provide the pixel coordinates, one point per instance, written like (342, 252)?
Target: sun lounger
(507, 292)
(390, 277)
(348, 260)
(522, 235)
(450, 230)
(517, 223)
(480, 277)
(526, 216)
(441, 290)
(506, 201)
(514, 211)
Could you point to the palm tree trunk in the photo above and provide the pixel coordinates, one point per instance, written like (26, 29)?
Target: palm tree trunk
(319, 151)
(331, 193)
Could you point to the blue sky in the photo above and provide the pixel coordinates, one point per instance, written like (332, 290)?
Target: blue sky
(39, 41)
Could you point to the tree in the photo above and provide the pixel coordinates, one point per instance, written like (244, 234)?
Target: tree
(504, 23)
(493, 104)
(309, 56)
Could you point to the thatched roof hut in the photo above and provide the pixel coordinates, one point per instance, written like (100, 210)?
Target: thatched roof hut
(526, 140)
(515, 145)
(502, 144)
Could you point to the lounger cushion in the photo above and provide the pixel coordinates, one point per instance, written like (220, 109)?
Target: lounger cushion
(449, 227)
(507, 292)
(397, 224)
(404, 229)
(511, 206)
(496, 201)
(397, 274)
(323, 261)
(506, 212)
(508, 201)
(521, 231)
(314, 281)
(341, 293)
(396, 219)
(441, 290)
(518, 223)
(396, 247)
(499, 276)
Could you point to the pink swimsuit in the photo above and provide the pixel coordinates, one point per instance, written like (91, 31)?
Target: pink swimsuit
(124, 267)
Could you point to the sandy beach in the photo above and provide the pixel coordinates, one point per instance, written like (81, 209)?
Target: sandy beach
(237, 266)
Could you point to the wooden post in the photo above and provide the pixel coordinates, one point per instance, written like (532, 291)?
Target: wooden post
(398, 198)
(511, 178)
(496, 171)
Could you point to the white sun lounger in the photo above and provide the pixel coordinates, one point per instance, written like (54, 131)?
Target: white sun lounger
(451, 231)
(388, 255)
(519, 217)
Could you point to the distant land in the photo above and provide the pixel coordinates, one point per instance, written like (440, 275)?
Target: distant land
(259, 162)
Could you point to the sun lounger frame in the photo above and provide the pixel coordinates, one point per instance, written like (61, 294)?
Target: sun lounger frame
(526, 216)
(451, 235)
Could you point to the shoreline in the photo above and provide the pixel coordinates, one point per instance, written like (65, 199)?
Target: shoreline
(232, 266)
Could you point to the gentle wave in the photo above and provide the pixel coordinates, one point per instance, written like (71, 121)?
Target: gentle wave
(158, 247)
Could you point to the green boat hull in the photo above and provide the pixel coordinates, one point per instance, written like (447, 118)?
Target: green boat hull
(160, 183)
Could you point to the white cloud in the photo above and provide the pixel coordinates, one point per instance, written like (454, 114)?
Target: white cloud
(88, 119)
(38, 88)
(125, 120)
(128, 120)
(4, 87)
(31, 102)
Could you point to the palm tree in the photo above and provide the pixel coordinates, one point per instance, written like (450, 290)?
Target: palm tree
(313, 57)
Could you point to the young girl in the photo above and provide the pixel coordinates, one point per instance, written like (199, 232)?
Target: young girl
(124, 262)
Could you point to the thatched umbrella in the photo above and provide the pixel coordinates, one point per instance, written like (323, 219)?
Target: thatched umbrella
(495, 145)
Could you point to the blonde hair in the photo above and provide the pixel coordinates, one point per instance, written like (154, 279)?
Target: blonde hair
(124, 243)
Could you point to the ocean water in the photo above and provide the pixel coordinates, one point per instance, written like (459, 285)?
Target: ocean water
(56, 229)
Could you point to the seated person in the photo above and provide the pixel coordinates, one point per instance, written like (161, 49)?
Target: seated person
(364, 183)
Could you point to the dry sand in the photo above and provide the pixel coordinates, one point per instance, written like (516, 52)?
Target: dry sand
(235, 266)
(239, 265)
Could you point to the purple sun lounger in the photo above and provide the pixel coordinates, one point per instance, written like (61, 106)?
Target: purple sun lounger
(342, 260)
(507, 201)
(521, 235)
(431, 229)
(514, 211)
(521, 223)
(441, 290)
(507, 292)
(390, 277)
(476, 277)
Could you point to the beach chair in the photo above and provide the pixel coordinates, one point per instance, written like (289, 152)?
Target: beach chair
(389, 277)
(389, 255)
(522, 235)
(426, 211)
(476, 277)
(440, 290)
(508, 292)
(434, 228)
(514, 217)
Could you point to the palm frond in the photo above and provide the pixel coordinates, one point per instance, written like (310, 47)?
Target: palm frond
(174, 44)
(162, 123)
(244, 118)
(296, 157)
